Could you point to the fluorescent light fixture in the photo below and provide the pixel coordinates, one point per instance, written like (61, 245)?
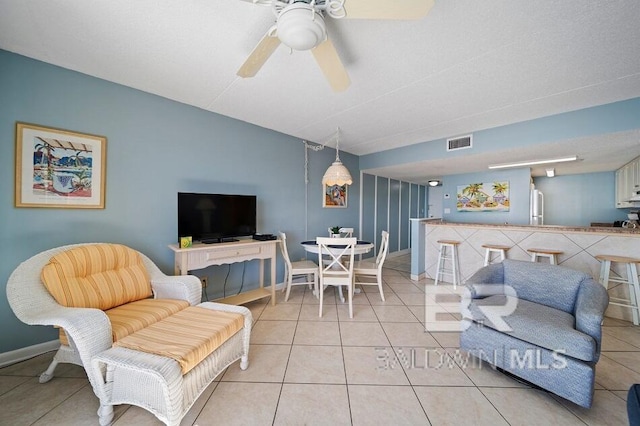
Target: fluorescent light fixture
(534, 162)
(551, 172)
(434, 182)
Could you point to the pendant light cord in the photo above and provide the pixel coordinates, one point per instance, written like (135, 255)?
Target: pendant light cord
(338, 144)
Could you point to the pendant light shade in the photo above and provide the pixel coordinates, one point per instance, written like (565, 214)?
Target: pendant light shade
(337, 173)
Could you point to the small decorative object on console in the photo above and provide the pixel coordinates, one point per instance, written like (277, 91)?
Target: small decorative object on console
(185, 242)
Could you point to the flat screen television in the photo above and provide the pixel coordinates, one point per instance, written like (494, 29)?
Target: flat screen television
(214, 218)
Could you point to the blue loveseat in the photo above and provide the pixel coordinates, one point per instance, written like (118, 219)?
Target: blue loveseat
(539, 322)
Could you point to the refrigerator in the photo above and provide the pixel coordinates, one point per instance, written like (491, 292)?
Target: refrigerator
(536, 215)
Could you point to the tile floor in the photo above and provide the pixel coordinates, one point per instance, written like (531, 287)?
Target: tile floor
(339, 371)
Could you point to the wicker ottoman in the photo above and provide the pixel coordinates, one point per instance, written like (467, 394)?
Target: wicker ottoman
(156, 383)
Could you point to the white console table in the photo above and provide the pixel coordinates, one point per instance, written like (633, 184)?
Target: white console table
(200, 256)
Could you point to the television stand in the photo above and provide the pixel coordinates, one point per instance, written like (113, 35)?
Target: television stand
(200, 256)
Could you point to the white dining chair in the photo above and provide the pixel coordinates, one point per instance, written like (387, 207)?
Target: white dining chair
(338, 271)
(346, 232)
(306, 268)
(342, 232)
(365, 271)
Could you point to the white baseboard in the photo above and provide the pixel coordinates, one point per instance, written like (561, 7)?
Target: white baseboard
(11, 357)
(398, 253)
(418, 277)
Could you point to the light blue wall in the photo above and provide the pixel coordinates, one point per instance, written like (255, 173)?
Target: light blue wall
(156, 147)
(386, 206)
(593, 192)
(519, 187)
(615, 117)
(405, 215)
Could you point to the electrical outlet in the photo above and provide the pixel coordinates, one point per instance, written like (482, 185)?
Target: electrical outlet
(204, 281)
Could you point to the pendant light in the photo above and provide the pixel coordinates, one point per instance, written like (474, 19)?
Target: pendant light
(337, 173)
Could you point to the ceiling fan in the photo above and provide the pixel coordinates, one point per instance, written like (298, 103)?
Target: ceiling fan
(300, 26)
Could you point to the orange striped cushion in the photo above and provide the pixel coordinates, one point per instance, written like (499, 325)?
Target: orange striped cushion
(188, 336)
(100, 276)
(134, 316)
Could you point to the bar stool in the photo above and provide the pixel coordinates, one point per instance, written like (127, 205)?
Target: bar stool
(551, 254)
(494, 248)
(448, 251)
(633, 302)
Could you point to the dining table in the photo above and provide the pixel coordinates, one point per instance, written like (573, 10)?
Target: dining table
(362, 247)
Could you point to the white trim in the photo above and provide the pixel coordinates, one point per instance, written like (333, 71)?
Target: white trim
(375, 209)
(388, 205)
(418, 277)
(361, 213)
(398, 253)
(11, 357)
(399, 215)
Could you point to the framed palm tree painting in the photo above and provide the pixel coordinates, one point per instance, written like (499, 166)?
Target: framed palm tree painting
(59, 168)
(481, 197)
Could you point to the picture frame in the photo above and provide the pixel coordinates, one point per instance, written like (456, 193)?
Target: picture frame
(484, 197)
(58, 168)
(334, 196)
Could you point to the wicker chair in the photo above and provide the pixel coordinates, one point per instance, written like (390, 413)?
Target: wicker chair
(119, 375)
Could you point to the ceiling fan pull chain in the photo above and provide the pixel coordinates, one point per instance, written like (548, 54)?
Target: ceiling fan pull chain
(313, 10)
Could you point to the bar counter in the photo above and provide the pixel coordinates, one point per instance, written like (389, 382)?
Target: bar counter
(579, 245)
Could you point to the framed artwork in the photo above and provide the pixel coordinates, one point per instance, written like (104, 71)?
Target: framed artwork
(483, 197)
(334, 196)
(59, 168)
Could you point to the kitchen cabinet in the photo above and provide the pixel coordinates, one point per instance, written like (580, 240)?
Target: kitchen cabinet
(627, 184)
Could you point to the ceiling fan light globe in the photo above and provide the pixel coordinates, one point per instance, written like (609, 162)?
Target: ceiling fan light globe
(300, 27)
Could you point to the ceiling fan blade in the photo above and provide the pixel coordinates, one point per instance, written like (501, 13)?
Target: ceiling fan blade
(259, 56)
(385, 9)
(331, 66)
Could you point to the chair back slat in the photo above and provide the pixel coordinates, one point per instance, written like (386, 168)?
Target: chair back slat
(336, 250)
(283, 248)
(384, 248)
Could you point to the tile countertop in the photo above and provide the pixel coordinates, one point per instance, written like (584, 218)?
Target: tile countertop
(546, 228)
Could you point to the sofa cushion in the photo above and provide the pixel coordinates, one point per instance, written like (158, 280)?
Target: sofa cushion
(550, 285)
(100, 276)
(134, 316)
(188, 336)
(540, 325)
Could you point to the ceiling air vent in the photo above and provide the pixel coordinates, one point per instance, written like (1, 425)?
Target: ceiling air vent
(461, 142)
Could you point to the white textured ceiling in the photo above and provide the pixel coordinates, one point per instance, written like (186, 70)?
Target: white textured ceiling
(469, 65)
